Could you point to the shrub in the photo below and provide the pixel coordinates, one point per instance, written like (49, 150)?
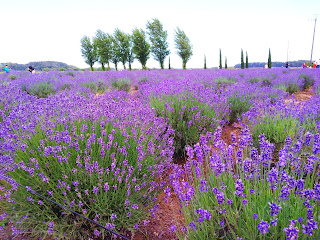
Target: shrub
(187, 116)
(62, 69)
(308, 80)
(253, 80)
(121, 84)
(292, 88)
(46, 69)
(238, 105)
(65, 86)
(41, 90)
(105, 171)
(70, 73)
(12, 76)
(275, 128)
(266, 82)
(247, 199)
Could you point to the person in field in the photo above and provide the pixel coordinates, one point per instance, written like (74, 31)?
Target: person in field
(6, 69)
(304, 65)
(31, 69)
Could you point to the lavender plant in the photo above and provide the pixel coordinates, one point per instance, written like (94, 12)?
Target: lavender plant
(233, 192)
(188, 116)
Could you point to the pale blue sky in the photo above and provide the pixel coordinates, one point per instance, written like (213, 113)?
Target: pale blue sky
(42, 30)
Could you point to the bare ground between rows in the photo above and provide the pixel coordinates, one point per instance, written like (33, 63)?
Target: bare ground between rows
(168, 212)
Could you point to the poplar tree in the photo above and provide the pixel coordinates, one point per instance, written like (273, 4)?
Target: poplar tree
(89, 51)
(114, 53)
(247, 63)
(242, 62)
(103, 45)
(141, 47)
(205, 62)
(220, 61)
(269, 59)
(183, 46)
(158, 38)
(225, 63)
(122, 46)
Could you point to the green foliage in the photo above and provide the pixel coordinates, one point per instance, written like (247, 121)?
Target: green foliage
(41, 89)
(158, 38)
(183, 46)
(254, 80)
(122, 46)
(275, 128)
(141, 47)
(187, 116)
(242, 62)
(290, 87)
(169, 67)
(96, 87)
(247, 61)
(205, 62)
(266, 82)
(220, 59)
(269, 59)
(70, 73)
(89, 51)
(12, 76)
(62, 69)
(46, 69)
(308, 80)
(225, 63)
(103, 44)
(238, 105)
(123, 84)
(70, 164)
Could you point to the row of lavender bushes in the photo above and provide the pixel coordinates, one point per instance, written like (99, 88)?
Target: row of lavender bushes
(60, 141)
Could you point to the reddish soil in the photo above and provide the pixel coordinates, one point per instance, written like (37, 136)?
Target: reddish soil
(301, 96)
(159, 227)
(304, 95)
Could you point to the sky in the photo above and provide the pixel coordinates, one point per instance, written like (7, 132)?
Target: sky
(51, 30)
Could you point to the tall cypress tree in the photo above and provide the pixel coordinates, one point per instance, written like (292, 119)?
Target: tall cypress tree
(269, 59)
(169, 63)
(220, 62)
(242, 62)
(205, 62)
(225, 63)
(247, 63)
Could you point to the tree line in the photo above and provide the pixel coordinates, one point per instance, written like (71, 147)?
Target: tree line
(121, 47)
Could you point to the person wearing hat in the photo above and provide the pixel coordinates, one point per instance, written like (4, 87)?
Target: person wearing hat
(6, 69)
(31, 69)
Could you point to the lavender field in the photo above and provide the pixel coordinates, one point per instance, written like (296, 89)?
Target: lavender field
(117, 146)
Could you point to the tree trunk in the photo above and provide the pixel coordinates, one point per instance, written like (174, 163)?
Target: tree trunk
(109, 66)
(91, 68)
(102, 67)
(124, 65)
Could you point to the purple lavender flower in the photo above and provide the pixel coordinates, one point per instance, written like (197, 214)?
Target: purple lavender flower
(255, 216)
(274, 222)
(274, 209)
(263, 227)
(291, 231)
(173, 228)
(308, 229)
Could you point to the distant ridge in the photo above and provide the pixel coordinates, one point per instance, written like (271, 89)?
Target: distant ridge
(297, 63)
(38, 65)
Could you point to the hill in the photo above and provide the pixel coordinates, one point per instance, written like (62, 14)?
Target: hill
(297, 63)
(38, 65)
